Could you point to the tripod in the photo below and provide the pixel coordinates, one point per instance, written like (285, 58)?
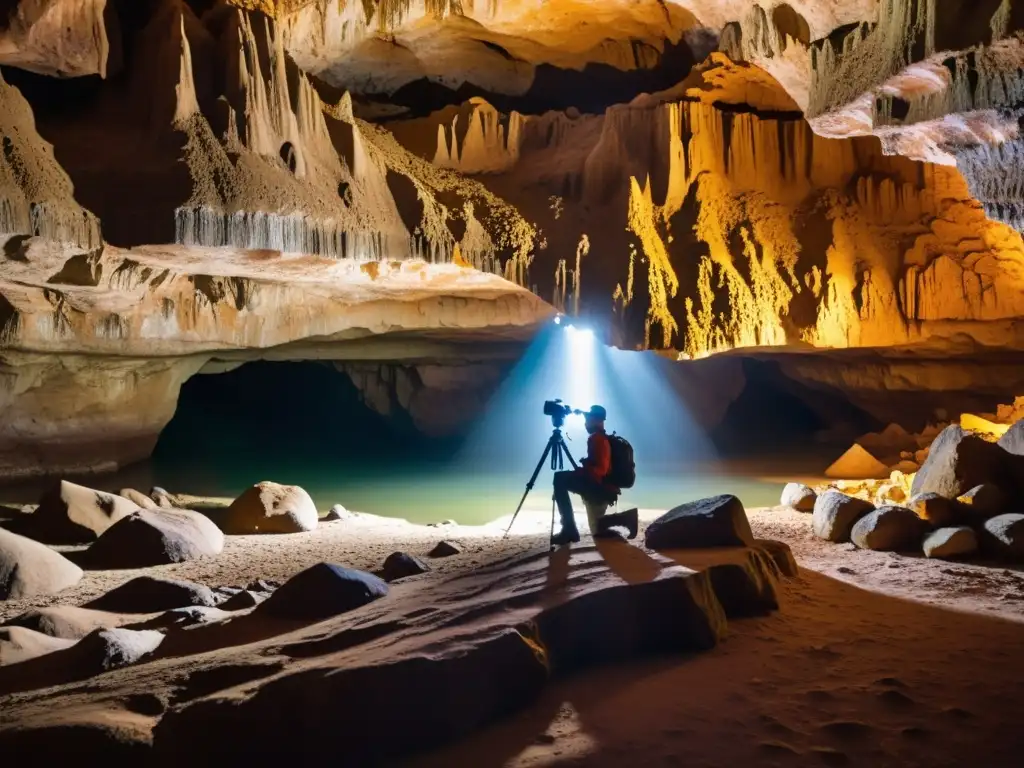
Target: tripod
(556, 448)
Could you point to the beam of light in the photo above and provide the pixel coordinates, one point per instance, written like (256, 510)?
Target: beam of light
(645, 404)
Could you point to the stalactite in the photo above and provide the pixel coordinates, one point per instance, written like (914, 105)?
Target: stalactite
(36, 195)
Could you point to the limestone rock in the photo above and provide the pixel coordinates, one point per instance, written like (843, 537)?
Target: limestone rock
(781, 555)
(719, 521)
(107, 649)
(399, 565)
(889, 529)
(1005, 535)
(28, 568)
(162, 499)
(323, 590)
(835, 514)
(149, 594)
(337, 512)
(958, 461)
(799, 497)
(1012, 440)
(951, 542)
(19, 644)
(247, 598)
(984, 501)
(156, 537)
(67, 622)
(138, 498)
(445, 549)
(936, 510)
(70, 513)
(857, 464)
(271, 508)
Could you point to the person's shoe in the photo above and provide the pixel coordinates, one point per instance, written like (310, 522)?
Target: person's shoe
(564, 537)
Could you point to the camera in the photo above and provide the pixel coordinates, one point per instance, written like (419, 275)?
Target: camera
(557, 410)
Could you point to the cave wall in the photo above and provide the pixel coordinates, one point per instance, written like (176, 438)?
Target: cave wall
(186, 184)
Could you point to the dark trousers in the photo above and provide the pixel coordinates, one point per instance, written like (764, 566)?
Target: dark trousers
(574, 482)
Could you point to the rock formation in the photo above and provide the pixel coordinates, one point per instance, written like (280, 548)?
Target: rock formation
(247, 179)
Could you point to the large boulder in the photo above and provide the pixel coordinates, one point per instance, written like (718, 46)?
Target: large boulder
(149, 594)
(799, 497)
(719, 521)
(1012, 440)
(951, 542)
(28, 568)
(399, 565)
(889, 529)
(936, 510)
(67, 622)
(835, 514)
(984, 501)
(323, 590)
(70, 513)
(958, 461)
(18, 644)
(156, 537)
(1005, 535)
(271, 508)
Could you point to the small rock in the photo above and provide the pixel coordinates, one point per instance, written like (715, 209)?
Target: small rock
(951, 542)
(719, 521)
(162, 498)
(156, 537)
(18, 644)
(907, 467)
(984, 501)
(190, 616)
(271, 508)
(138, 498)
(149, 594)
(1005, 534)
(28, 568)
(936, 510)
(889, 529)
(845, 570)
(323, 590)
(71, 514)
(337, 512)
(263, 585)
(244, 599)
(799, 497)
(107, 649)
(445, 549)
(67, 622)
(835, 514)
(889, 492)
(442, 524)
(399, 565)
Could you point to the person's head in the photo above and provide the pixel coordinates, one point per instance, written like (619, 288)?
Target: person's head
(594, 419)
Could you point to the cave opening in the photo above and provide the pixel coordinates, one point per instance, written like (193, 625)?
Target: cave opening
(303, 423)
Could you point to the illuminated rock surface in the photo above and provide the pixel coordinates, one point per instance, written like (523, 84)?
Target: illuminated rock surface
(507, 624)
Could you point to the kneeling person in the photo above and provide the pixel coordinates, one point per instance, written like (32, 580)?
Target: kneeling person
(591, 481)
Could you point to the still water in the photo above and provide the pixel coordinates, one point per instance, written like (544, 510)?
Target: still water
(427, 493)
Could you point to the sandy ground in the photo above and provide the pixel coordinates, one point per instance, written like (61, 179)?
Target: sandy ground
(873, 659)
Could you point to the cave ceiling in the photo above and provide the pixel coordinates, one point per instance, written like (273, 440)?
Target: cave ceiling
(707, 174)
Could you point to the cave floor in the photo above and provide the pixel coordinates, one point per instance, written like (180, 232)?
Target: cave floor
(873, 659)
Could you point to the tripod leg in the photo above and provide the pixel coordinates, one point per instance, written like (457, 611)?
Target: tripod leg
(552, 534)
(529, 487)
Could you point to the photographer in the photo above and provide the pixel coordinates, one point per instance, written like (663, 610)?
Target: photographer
(591, 482)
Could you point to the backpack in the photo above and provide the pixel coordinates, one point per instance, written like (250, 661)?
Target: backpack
(623, 472)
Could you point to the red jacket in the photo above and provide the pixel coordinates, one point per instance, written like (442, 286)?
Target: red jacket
(599, 457)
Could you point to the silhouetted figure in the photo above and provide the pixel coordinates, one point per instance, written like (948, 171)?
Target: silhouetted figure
(593, 481)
